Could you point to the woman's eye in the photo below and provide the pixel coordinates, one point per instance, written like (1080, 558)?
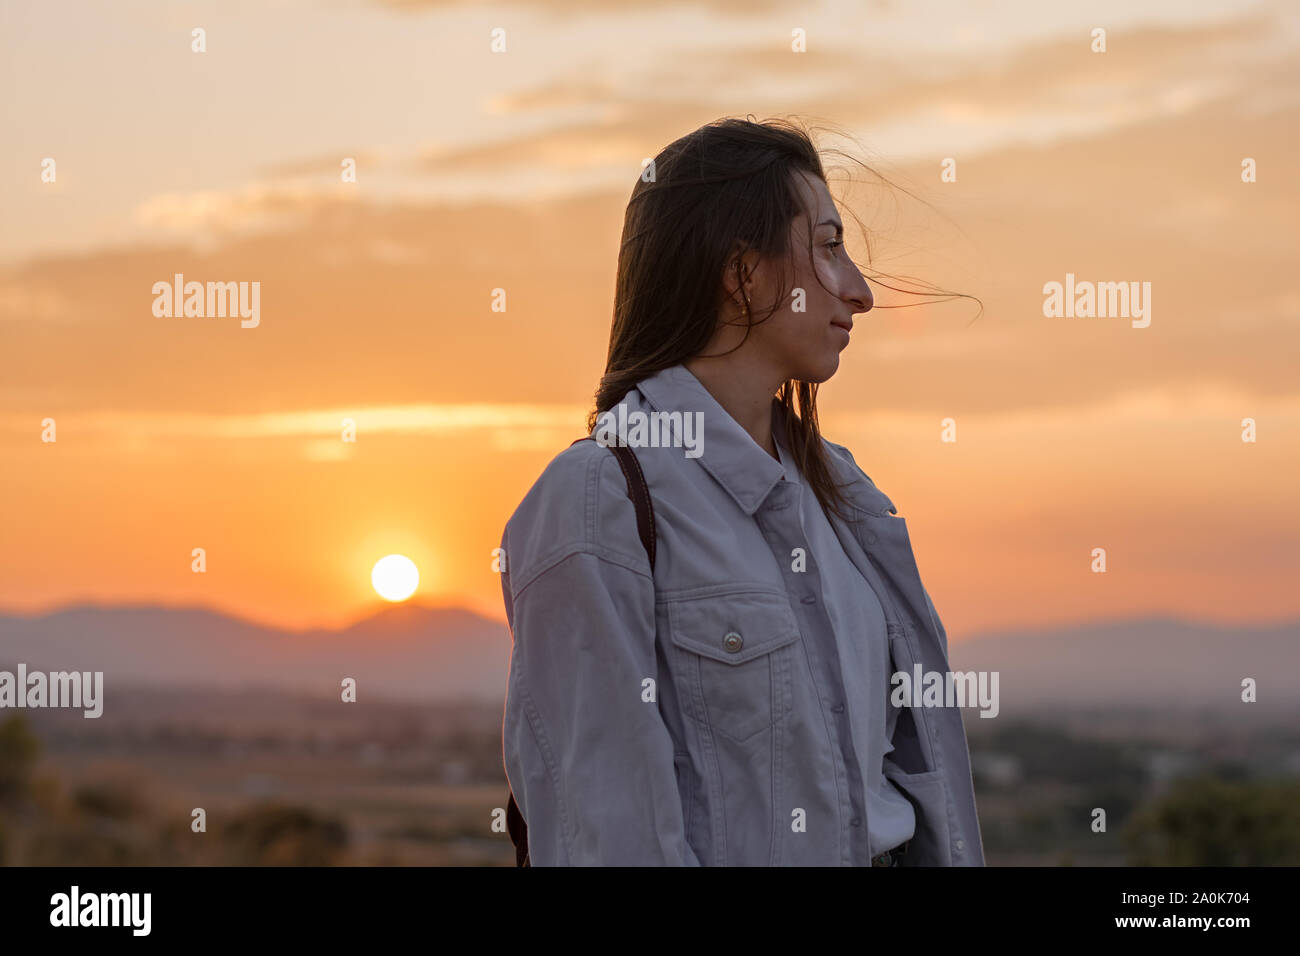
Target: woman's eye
(834, 244)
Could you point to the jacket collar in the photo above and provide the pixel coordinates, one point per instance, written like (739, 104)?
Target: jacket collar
(735, 460)
(729, 453)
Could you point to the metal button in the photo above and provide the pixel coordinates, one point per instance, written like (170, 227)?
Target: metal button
(871, 537)
(855, 822)
(960, 844)
(733, 641)
(808, 599)
(838, 708)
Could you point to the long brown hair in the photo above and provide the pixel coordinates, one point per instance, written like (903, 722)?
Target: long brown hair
(728, 181)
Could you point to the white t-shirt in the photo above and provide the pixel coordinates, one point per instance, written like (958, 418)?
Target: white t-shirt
(862, 645)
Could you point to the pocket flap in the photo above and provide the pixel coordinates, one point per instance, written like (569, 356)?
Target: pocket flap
(733, 628)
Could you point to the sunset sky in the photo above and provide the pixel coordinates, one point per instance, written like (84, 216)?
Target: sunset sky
(479, 170)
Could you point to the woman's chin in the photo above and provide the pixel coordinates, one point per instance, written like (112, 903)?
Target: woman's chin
(824, 370)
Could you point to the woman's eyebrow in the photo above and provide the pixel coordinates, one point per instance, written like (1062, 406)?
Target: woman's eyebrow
(839, 226)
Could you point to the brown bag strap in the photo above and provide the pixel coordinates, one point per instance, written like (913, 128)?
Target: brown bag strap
(638, 491)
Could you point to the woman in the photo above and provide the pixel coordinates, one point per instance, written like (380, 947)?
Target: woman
(729, 704)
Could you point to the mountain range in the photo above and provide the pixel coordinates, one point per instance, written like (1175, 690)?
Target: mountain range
(447, 654)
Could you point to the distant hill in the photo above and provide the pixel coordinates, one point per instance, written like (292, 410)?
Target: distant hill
(440, 655)
(404, 652)
(1160, 661)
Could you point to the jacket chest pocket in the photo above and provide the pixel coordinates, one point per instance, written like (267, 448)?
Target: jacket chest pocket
(736, 654)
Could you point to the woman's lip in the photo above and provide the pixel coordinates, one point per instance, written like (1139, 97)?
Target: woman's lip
(841, 325)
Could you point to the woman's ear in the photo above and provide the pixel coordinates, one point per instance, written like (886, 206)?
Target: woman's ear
(741, 265)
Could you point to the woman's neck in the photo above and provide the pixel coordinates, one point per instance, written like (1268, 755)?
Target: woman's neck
(744, 396)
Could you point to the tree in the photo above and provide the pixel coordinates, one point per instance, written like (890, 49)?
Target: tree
(1206, 821)
(19, 749)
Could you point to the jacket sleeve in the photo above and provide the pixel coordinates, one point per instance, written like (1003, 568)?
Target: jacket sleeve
(590, 762)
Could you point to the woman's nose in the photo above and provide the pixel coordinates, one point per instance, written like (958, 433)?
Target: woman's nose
(861, 299)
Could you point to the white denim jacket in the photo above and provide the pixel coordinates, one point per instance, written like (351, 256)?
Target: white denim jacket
(675, 716)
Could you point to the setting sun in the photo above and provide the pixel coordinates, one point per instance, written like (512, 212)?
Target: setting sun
(395, 577)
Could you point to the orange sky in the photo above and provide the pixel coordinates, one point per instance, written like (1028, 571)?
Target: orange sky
(1073, 433)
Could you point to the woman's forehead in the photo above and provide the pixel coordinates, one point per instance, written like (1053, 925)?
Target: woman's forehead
(816, 197)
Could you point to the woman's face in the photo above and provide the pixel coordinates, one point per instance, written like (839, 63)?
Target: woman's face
(803, 338)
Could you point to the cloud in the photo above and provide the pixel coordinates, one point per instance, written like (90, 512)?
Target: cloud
(369, 420)
(391, 299)
(1158, 407)
(570, 8)
(328, 167)
(256, 206)
(31, 303)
